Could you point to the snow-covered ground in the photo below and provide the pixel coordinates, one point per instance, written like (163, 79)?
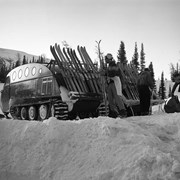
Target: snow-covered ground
(134, 148)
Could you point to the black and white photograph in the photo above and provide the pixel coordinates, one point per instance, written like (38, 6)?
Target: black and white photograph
(90, 90)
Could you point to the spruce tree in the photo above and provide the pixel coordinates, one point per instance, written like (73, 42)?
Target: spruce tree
(18, 63)
(135, 58)
(152, 75)
(33, 60)
(42, 60)
(24, 60)
(3, 73)
(169, 93)
(142, 58)
(18, 57)
(121, 56)
(162, 89)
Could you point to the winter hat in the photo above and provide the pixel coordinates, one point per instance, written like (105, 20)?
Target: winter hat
(108, 58)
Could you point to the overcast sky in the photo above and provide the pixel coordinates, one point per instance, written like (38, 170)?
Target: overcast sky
(33, 25)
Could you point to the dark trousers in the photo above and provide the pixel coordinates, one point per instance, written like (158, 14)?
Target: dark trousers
(145, 99)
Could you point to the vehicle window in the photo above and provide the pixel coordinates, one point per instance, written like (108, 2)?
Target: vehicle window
(49, 86)
(14, 75)
(26, 72)
(20, 74)
(40, 70)
(46, 86)
(33, 71)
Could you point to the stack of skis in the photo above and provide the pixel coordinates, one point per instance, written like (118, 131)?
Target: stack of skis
(80, 74)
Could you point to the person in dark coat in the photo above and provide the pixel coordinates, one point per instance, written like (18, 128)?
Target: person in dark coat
(145, 86)
(176, 79)
(172, 104)
(114, 90)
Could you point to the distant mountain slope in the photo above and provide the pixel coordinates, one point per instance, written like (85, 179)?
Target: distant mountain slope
(9, 55)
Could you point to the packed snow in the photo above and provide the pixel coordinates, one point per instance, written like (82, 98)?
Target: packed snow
(133, 148)
(138, 148)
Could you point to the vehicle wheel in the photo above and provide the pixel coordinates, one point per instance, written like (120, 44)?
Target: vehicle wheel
(43, 112)
(23, 113)
(15, 112)
(32, 113)
(83, 115)
(72, 115)
(94, 114)
(52, 111)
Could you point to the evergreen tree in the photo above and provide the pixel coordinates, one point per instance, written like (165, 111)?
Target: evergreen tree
(169, 93)
(174, 70)
(135, 58)
(122, 53)
(18, 63)
(39, 59)
(24, 60)
(3, 73)
(162, 89)
(142, 58)
(33, 60)
(12, 66)
(42, 60)
(152, 75)
(18, 57)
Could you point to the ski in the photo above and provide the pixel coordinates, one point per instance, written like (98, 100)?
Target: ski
(84, 72)
(63, 72)
(89, 73)
(80, 77)
(91, 67)
(72, 73)
(133, 78)
(125, 78)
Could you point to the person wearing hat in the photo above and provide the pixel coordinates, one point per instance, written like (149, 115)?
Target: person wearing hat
(145, 86)
(176, 79)
(114, 89)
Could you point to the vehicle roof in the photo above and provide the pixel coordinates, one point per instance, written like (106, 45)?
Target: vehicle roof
(28, 71)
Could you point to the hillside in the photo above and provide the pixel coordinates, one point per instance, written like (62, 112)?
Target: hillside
(9, 55)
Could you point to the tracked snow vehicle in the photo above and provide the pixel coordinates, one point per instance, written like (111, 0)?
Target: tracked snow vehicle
(35, 91)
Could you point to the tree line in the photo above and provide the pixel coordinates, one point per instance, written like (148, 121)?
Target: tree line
(5, 69)
(139, 62)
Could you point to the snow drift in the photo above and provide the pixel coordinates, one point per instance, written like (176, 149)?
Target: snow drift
(142, 148)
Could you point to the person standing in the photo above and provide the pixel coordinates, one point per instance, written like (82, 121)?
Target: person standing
(114, 91)
(176, 79)
(145, 86)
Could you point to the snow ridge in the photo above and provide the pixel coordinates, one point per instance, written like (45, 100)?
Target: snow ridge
(102, 148)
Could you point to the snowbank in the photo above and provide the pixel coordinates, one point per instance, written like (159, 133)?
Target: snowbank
(143, 148)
